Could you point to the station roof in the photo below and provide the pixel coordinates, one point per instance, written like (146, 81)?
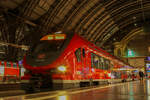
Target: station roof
(102, 22)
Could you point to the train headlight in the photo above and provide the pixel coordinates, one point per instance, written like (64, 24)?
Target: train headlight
(62, 68)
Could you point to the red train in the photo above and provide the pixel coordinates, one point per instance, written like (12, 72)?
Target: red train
(61, 61)
(9, 71)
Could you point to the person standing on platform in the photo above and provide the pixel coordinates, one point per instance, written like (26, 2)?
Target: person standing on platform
(133, 77)
(141, 74)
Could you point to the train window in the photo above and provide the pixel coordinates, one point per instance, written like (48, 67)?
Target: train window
(47, 46)
(102, 62)
(78, 54)
(2, 63)
(107, 64)
(83, 52)
(111, 64)
(14, 65)
(8, 64)
(94, 61)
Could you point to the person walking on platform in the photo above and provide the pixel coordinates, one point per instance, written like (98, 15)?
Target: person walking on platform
(141, 74)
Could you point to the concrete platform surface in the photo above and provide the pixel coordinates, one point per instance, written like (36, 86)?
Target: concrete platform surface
(136, 90)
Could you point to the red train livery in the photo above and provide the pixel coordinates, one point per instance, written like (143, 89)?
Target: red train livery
(56, 62)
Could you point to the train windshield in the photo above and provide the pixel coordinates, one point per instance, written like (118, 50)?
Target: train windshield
(47, 46)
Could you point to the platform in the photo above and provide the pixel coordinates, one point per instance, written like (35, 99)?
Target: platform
(135, 90)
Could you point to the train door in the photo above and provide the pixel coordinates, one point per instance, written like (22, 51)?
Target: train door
(80, 63)
(85, 65)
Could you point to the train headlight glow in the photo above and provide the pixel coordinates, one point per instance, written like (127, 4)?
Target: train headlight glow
(62, 68)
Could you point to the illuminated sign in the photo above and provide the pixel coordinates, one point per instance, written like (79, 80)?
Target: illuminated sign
(148, 58)
(20, 62)
(148, 66)
(50, 37)
(57, 37)
(131, 53)
(54, 37)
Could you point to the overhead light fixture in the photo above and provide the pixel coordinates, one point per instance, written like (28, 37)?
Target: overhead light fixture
(58, 32)
(2, 52)
(2, 44)
(134, 17)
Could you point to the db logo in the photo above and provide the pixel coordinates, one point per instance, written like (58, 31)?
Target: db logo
(41, 56)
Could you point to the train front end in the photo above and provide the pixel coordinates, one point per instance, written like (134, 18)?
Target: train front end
(45, 60)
